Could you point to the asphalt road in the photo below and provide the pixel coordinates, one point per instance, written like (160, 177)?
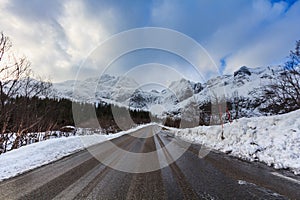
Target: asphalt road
(216, 176)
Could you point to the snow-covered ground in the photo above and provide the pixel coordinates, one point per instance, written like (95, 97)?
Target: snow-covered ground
(37, 154)
(274, 140)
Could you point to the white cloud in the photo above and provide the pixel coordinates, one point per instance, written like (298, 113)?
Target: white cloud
(83, 33)
(271, 44)
(58, 35)
(58, 44)
(252, 33)
(262, 35)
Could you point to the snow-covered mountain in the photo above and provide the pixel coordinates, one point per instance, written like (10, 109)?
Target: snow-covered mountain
(178, 97)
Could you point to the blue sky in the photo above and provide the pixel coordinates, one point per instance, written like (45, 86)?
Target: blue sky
(58, 35)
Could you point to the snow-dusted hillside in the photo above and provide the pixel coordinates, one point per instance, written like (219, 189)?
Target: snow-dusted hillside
(95, 89)
(177, 97)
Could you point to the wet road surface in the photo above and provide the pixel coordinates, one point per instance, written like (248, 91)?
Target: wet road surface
(168, 169)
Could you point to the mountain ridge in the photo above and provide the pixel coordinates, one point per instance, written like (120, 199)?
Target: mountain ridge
(178, 96)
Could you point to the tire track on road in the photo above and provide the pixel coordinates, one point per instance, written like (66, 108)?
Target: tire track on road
(57, 185)
(147, 185)
(186, 189)
(125, 145)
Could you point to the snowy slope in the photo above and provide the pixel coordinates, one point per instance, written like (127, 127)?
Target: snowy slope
(95, 89)
(274, 140)
(241, 84)
(179, 96)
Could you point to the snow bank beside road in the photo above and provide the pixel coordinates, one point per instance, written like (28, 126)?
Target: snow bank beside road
(37, 154)
(274, 140)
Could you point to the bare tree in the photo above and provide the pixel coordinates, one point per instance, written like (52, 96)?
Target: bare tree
(16, 81)
(283, 93)
(235, 104)
(218, 108)
(205, 113)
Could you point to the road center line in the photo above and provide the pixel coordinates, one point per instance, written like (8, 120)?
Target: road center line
(286, 177)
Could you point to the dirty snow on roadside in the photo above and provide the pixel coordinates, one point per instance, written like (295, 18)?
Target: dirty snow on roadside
(41, 153)
(274, 140)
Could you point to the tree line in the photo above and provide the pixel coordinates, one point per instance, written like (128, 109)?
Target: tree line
(26, 108)
(29, 115)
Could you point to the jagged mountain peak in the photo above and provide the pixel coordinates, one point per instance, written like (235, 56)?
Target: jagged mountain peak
(126, 91)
